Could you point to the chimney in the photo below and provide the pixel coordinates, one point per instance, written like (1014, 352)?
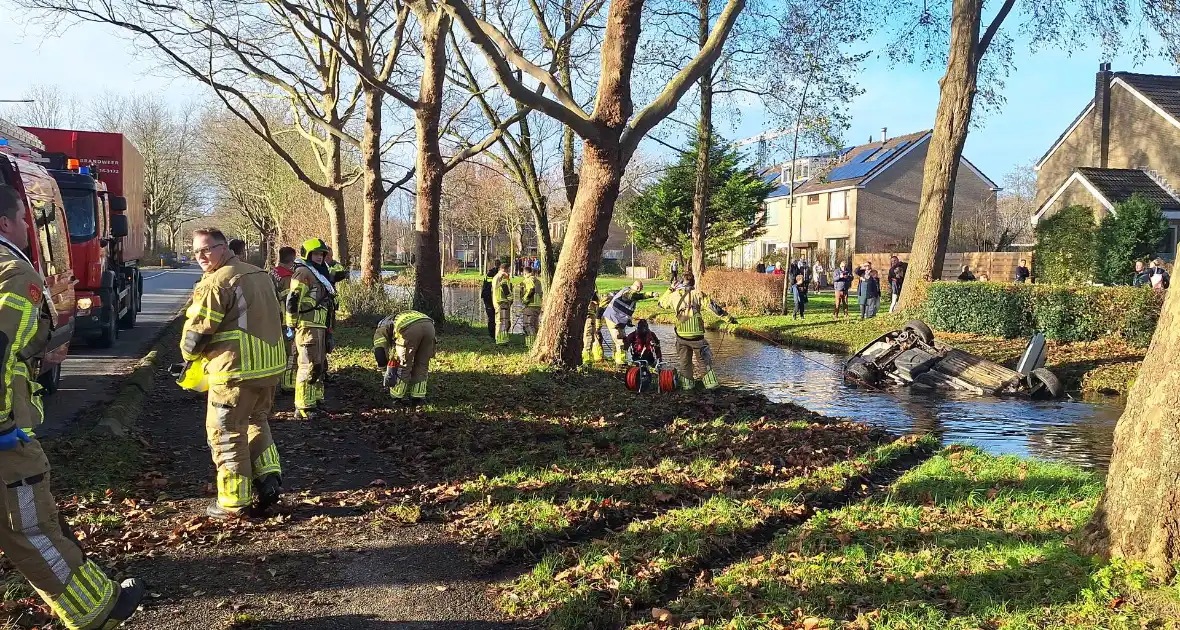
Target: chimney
(884, 134)
(1102, 113)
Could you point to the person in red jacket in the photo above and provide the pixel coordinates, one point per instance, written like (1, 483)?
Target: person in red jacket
(644, 344)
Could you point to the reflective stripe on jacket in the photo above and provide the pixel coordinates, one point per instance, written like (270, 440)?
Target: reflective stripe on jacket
(234, 324)
(501, 288)
(622, 307)
(23, 334)
(392, 326)
(531, 293)
(686, 304)
(311, 301)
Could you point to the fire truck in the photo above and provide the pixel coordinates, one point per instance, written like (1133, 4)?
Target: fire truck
(49, 240)
(101, 180)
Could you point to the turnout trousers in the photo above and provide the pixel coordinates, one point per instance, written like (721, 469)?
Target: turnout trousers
(685, 351)
(503, 322)
(530, 321)
(414, 347)
(239, 437)
(618, 336)
(591, 340)
(37, 541)
(311, 349)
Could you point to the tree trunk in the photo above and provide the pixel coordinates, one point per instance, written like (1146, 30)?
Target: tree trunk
(1138, 517)
(374, 188)
(334, 204)
(428, 291)
(945, 148)
(700, 194)
(559, 340)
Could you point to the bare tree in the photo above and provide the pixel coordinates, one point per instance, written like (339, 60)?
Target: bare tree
(610, 135)
(51, 107)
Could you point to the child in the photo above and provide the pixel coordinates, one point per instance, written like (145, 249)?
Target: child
(869, 294)
(799, 292)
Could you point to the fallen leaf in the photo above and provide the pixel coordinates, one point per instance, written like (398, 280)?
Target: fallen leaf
(377, 483)
(661, 614)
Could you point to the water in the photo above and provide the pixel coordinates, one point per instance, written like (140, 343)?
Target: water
(1070, 431)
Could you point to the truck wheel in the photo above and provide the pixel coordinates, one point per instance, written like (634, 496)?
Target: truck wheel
(919, 329)
(138, 292)
(110, 330)
(51, 380)
(128, 320)
(1044, 385)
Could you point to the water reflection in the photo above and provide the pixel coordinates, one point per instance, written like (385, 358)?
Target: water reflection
(1070, 431)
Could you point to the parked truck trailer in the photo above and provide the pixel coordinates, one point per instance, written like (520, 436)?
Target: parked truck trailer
(101, 180)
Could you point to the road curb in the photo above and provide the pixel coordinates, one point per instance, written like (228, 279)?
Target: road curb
(122, 413)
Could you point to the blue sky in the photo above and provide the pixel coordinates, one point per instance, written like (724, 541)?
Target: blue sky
(1044, 92)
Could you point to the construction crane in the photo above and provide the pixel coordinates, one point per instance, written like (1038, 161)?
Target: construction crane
(764, 136)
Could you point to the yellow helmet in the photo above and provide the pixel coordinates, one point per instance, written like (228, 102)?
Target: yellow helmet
(313, 245)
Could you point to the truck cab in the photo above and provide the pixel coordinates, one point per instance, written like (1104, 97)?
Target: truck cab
(49, 251)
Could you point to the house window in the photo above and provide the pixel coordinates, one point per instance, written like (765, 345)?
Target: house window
(771, 214)
(1168, 247)
(768, 249)
(838, 205)
(812, 199)
(612, 254)
(837, 252)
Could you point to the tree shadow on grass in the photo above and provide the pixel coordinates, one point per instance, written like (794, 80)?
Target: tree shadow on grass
(369, 622)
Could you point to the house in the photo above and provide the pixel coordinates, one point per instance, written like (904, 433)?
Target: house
(863, 200)
(1126, 140)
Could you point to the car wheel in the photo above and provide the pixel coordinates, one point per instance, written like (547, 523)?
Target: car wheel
(919, 329)
(51, 380)
(864, 373)
(1044, 385)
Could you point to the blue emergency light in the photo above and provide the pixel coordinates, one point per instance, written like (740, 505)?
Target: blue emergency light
(85, 170)
(3, 142)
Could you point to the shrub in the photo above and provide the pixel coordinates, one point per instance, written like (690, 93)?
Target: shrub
(744, 293)
(367, 303)
(1062, 313)
(610, 267)
(1065, 247)
(1133, 232)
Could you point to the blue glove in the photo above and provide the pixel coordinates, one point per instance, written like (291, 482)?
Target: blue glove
(288, 332)
(12, 439)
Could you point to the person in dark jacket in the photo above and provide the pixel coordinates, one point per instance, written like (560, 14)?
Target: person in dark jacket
(966, 276)
(841, 283)
(897, 271)
(868, 293)
(644, 344)
(799, 293)
(760, 267)
(489, 307)
(1022, 272)
(1140, 277)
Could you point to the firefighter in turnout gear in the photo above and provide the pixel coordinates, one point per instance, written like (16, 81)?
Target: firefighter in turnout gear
(686, 302)
(592, 333)
(33, 536)
(411, 335)
(233, 338)
(531, 296)
(281, 274)
(502, 295)
(310, 309)
(618, 315)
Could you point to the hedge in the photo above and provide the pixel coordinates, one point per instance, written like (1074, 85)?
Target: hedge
(1063, 313)
(745, 293)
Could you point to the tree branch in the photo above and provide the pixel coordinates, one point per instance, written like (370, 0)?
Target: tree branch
(993, 28)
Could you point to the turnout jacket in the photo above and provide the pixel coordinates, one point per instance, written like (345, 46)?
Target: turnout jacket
(622, 306)
(531, 292)
(310, 299)
(234, 325)
(25, 322)
(502, 289)
(389, 332)
(687, 303)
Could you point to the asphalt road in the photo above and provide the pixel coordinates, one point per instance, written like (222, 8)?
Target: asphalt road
(90, 374)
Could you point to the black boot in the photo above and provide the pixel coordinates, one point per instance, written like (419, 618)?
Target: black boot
(267, 489)
(130, 594)
(218, 513)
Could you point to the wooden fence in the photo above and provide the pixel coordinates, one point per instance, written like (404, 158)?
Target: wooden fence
(998, 266)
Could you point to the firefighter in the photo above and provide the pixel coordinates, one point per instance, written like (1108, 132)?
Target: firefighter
(310, 309)
(686, 302)
(33, 536)
(592, 333)
(531, 296)
(502, 294)
(412, 336)
(618, 315)
(233, 344)
(281, 274)
(644, 344)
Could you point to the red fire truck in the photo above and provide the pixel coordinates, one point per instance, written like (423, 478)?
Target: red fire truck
(49, 245)
(101, 181)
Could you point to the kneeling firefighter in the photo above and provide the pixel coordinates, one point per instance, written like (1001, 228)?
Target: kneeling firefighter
(592, 332)
(412, 336)
(644, 344)
(233, 343)
(686, 302)
(310, 314)
(33, 536)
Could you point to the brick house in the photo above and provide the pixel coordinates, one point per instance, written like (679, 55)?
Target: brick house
(1126, 140)
(865, 200)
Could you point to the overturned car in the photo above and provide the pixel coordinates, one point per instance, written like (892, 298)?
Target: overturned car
(910, 356)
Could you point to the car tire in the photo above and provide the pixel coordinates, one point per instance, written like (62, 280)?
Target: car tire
(919, 329)
(51, 380)
(1044, 385)
(863, 372)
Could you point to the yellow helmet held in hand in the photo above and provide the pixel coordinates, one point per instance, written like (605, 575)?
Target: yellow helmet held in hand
(194, 377)
(313, 245)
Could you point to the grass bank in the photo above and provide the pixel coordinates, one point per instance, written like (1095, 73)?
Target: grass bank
(1108, 366)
